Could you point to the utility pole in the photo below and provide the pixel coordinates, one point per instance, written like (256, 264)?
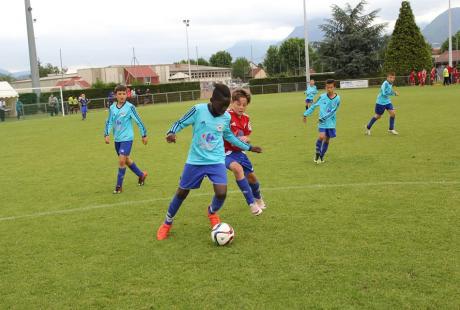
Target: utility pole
(187, 24)
(450, 35)
(305, 30)
(32, 48)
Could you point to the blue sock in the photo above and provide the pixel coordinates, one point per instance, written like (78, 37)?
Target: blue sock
(216, 204)
(392, 123)
(136, 170)
(172, 210)
(319, 143)
(121, 175)
(324, 149)
(373, 120)
(255, 190)
(246, 190)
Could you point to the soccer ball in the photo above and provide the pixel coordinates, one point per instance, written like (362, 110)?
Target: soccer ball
(222, 234)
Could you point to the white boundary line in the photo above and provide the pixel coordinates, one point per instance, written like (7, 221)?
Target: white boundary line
(266, 189)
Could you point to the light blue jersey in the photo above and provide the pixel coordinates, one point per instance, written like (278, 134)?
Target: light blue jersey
(120, 120)
(327, 110)
(386, 90)
(311, 92)
(207, 147)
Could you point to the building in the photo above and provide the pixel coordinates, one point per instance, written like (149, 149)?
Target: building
(119, 74)
(443, 59)
(10, 95)
(257, 73)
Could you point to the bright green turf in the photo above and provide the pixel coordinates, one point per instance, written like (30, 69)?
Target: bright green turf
(360, 244)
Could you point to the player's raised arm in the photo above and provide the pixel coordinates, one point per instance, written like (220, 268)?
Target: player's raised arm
(186, 120)
(311, 109)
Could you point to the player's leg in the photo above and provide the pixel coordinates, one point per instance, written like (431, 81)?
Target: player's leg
(220, 193)
(244, 187)
(319, 144)
(325, 145)
(255, 187)
(379, 110)
(121, 171)
(392, 113)
(142, 175)
(174, 206)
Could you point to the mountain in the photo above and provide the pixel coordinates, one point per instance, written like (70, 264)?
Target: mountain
(314, 33)
(21, 75)
(438, 30)
(4, 72)
(243, 49)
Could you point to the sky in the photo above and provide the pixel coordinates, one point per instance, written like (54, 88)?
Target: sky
(100, 33)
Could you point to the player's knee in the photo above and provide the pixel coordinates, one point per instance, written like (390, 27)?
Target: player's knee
(221, 195)
(182, 193)
(378, 116)
(238, 171)
(251, 178)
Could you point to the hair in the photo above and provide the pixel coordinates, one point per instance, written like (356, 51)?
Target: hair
(241, 93)
(120, 87)
(221, 94)
(330, 81)
(391, 73)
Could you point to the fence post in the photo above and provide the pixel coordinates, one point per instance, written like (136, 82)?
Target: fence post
(180, 96)
(193, 95)
(262, 89)
(153, 99)
(296, 87)
(279, 88)
(167, 99)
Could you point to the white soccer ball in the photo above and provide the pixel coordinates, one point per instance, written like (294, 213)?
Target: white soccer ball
(222, 234)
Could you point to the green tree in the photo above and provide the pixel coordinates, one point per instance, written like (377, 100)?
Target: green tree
(352, 41)
(7, 78)
(44, 70)
(407, 49)
(272, 61)
(240, 68)
(292, 54)
(455, 43)
(221, 59)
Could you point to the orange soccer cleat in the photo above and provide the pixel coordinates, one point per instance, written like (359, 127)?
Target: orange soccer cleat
(163, 231)
(214, 219)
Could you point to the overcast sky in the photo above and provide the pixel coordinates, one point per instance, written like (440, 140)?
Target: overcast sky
(99, 33)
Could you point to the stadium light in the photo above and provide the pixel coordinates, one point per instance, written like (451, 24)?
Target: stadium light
(305, 30)
(187, 24)
(450, 35)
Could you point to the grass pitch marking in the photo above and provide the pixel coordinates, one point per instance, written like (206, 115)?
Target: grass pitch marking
(267, 189)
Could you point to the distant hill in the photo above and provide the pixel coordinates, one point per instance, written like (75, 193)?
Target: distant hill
(21, 75)
(243, 49)
(438, 30)
(4, 72)
(314, 33)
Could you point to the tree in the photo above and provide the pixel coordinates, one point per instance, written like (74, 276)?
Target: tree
(455, 43)
(352, 41)
(292, 54)
(221, 59)
(48, 68)
(272, 60)
(240, 68)
(7, 78)
(407, 49)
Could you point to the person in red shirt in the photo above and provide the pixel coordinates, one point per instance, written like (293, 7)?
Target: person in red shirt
(236, 160)
(424, 74)
(412, 78)
(420, 78)
(432, 75)
(456, 75)
(450, 69)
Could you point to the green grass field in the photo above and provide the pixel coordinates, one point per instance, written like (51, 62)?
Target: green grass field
(376, 226)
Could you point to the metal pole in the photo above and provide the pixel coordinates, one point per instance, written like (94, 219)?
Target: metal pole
(450, 35)
(32, 48)
(305, 30)
(187, 24)
(62, 101)
(196, 47)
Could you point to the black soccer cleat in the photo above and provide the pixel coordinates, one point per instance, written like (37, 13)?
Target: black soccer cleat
(142, 178)
(118, 190)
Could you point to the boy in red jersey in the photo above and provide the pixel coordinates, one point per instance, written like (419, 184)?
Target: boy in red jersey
(433, 75)
(412, 78)
(236, 160)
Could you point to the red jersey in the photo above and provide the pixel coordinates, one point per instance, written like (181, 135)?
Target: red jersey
(240, 126)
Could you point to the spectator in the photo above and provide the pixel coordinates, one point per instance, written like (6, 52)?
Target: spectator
(456, 75)
(19, 109)
(111, 98)
(2, 109)
(147, 96)
(412, 78)
(52, 103)
(450, 69)
(433, 75)
(445, 74)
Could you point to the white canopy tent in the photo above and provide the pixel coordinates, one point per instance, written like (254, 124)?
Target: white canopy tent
(10, 96)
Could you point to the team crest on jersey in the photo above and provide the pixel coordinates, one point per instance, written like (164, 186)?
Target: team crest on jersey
(122, 114)
(220, 127)
(208, 141)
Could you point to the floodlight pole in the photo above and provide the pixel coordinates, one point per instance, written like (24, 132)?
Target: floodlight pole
(450, 34)
(187, 24)
(32, 48)
(305, 30)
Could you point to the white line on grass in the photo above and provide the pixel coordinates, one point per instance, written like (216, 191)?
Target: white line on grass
(265, 189)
